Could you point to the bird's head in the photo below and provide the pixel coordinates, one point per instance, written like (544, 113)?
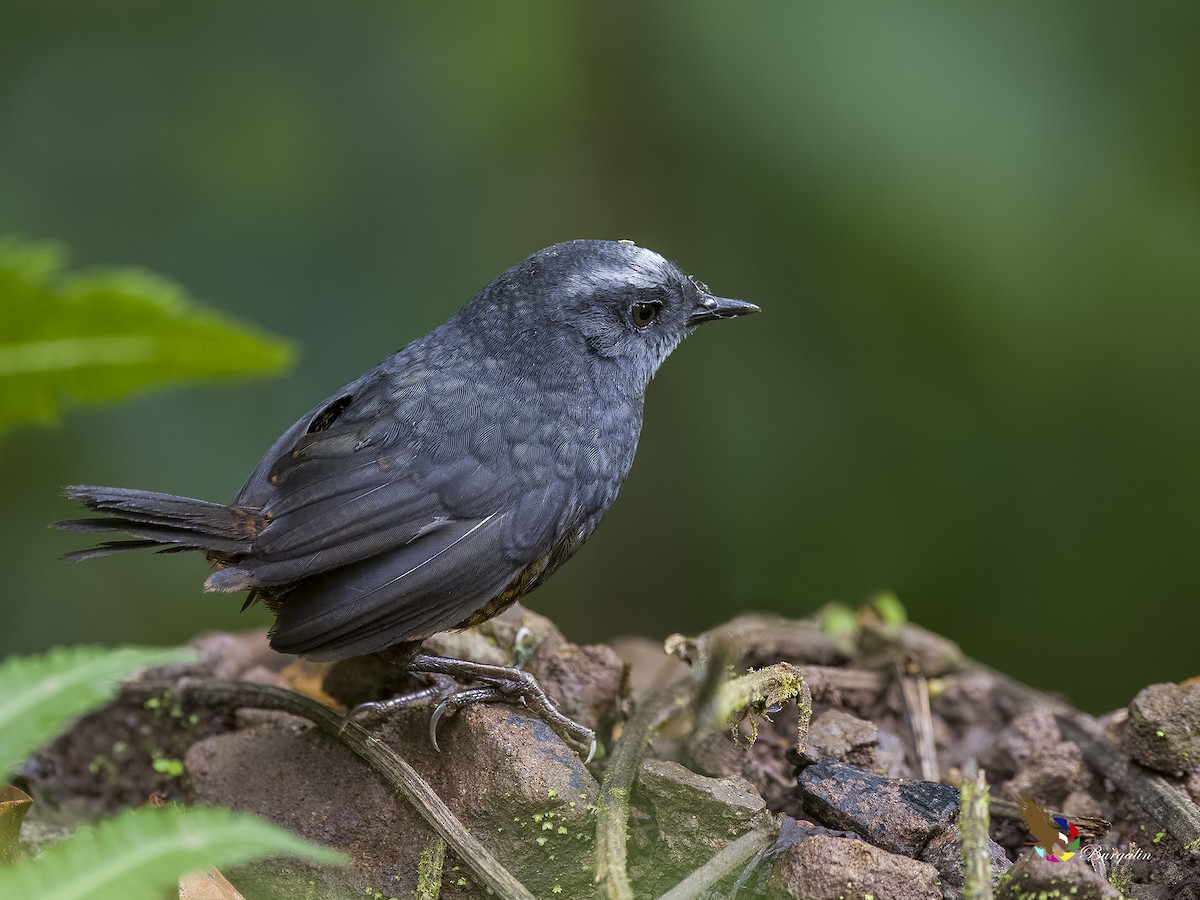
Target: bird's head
(619, 308)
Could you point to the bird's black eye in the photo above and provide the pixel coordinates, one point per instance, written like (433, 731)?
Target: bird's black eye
(643, 314)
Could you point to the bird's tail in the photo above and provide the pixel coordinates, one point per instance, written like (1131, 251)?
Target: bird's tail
(162, 520)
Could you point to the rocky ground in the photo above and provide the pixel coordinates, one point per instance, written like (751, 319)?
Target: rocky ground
(767, 758)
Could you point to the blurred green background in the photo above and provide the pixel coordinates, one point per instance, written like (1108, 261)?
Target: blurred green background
(973, 229)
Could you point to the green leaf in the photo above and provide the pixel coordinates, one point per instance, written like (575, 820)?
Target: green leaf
(139, 853)
(98, 335)
(40, 695)
(889, 608)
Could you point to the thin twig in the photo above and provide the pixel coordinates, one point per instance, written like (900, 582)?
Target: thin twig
(381, 758)
(914, 690)
(973, 832)
(612, 815)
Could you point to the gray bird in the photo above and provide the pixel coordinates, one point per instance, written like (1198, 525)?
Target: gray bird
(452, 478)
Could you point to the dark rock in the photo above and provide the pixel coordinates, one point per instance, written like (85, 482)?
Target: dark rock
(898, 815)
(1032, 876)
(830, 868)
(841, 736)
(944, 853)
(1164, 728)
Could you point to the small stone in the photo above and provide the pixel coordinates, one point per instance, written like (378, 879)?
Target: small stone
(1032, 876)
(944, 852)
(1054, 773)
(1031, 759)
(1164, 728)
(676, 792)
(841, 736)
(227, 654)
(898, 815)
(694, 817)
(494, 641)
(714, 753)
(821, 867)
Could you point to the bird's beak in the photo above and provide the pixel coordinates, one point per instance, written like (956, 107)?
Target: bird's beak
(711, 307)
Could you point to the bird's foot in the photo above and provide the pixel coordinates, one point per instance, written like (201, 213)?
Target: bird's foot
(505, 684)
(442, 687)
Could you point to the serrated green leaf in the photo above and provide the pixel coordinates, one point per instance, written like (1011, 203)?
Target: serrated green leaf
(98, 335)
(140, 852)
(40, 695)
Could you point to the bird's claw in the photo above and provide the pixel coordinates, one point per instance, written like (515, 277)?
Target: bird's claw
(438, 712)
(377, 709)
(575, 733)
(452, 703)
(372, 709)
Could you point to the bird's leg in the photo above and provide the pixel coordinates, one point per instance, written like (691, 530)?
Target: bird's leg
(502, 683)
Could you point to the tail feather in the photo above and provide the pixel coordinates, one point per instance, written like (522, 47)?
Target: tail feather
(107, 548)
(162, 519)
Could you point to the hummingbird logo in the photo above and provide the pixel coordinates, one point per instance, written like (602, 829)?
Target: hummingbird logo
(1055, 839)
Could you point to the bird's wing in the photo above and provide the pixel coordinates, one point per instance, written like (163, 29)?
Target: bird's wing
(414, 590)
(395, 511)
(1039, 824)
